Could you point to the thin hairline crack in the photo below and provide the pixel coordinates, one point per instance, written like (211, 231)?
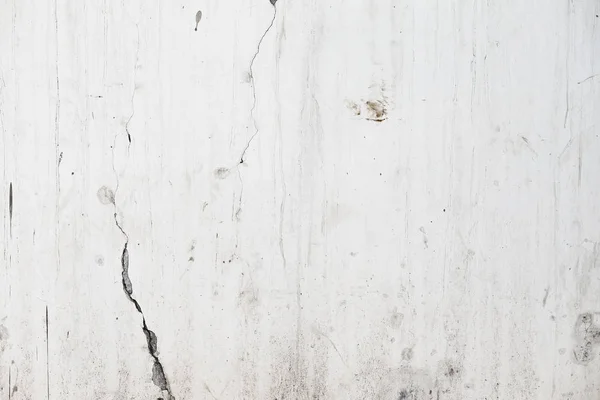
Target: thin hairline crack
(252, 83)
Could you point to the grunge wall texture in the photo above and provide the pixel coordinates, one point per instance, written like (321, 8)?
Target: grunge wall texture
(300, 199)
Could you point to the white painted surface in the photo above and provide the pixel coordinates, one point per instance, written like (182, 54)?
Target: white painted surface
(449, 251)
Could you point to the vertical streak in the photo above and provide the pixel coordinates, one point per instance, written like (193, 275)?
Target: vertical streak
(57, 154)
(47, 360)
(10, 207)
(567, 62)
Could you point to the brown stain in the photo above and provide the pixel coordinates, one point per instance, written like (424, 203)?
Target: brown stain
(355, 108)
(373, 110)
(376, 110)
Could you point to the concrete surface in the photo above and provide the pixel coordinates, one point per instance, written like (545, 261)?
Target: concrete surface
(343, 199)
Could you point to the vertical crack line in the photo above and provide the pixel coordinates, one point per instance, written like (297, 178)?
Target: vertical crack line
(137, 54)
(10, 208)
(47, 360)
(252, 82)
(57, 153)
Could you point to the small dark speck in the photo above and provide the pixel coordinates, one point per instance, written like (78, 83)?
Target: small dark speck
(273, 2)
(444, 210)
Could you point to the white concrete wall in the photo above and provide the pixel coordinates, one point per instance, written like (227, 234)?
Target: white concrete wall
(417, 214)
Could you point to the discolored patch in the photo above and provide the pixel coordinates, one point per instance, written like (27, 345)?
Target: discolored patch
(221, 173)
(372, 110)
(106, 195)
(587, 335)
(396, 319)
(376, 110)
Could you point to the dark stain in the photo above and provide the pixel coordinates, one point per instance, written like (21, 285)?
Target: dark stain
(273, 2)
(10, 205)
(376, 110)
(198, 18)
(452, 371)
(407, 394)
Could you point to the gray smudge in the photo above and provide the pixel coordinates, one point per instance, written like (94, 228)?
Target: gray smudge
(105, 195)
(221, 173)
(198, 18)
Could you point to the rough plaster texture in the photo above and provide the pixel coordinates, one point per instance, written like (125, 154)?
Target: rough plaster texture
(342, 199)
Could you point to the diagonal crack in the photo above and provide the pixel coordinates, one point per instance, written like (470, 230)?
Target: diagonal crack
(159, 378)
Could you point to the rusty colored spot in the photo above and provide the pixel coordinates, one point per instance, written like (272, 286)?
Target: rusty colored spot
(376, 110)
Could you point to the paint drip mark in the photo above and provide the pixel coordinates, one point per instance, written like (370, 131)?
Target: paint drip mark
(10, 207)
(159, 378)
(198, 18)
(47, 359)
